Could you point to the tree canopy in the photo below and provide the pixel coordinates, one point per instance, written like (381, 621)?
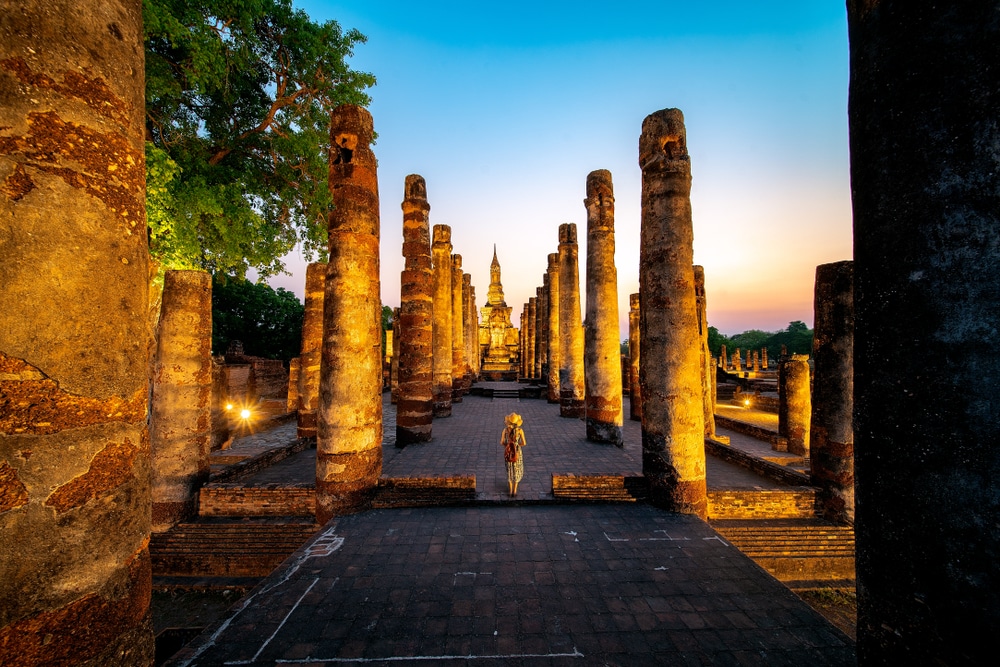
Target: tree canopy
(238, 101)
(797, 338)
(268, 322)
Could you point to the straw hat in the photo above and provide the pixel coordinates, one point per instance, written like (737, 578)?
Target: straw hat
(513, 419)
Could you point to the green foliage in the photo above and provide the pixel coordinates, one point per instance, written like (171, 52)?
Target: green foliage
(238, 101)
(267, 321)
(797, 338)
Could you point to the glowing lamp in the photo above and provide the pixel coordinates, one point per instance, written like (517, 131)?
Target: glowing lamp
(244, 413)
(229, 406)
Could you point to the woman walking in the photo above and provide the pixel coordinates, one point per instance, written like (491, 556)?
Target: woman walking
(513, 440)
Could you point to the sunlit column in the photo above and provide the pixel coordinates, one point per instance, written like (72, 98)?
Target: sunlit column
(457, 331)
(554, 342)
(634, 391)
(571, 389)
(312, 349)
(794, 402)
(441, 374)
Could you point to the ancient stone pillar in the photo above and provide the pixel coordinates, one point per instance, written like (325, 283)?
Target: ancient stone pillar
(602, 349)
(474, 320)
(292, 400)
(553, 343)
(349, 438)
(756, 362)
(738, 361)
(74, 339)
(441, 375)
(831, 430)
(707, 367)
(634, 391)
(924, 93)
(763, 362)
(723, 358)
(542, 328)
(181, 408)
(470, 333)
(522, 341)
(414, 405)
(571, 389)
(457, 331)
(312, 349)
(532, 336)
(392, 349)
(673, 430)
(794, 403)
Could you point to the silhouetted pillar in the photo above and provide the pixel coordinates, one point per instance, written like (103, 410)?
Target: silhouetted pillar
(794, 403)
(925, 89)
(74, 337)
(349, 438)
(707, 367)
(414, 405)
(312, 349)
(673, 430)
(457, 331)
(571, 389)
(634, 391)
(831, 431)
(554, 342)
(442, 364)
(180, 427)
(602, 348)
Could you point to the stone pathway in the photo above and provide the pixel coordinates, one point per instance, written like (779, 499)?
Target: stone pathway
(520, 585)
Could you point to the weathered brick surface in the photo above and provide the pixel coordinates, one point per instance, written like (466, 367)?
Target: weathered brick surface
(269, 500)
(741, 504)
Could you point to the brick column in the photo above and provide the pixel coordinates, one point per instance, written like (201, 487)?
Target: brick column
(634, 392)
(707, 367)
(553, 342)
(602, 349)
(74, 336)
(794, 403)
(457, 331)
(470, 333)
(571, 389)
(392, 348)
(181, 410)
(673, 428)
(292, 400)
(831, 430)
(312, 349)
(542, 328)
(474, 319)
(349, 438)
(441, 372)
(532, 337)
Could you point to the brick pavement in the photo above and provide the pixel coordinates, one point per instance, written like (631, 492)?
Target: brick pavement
(520, 585)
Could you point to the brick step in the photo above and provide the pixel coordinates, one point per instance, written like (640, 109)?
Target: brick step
(506, 393)
(218, 549)
(794, 550)
(424, 491)
(616, 488)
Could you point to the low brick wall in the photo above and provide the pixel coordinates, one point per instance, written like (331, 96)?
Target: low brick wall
(269, 500)
(770, 470)
(753, 431)
(424, 491)
(737, 504)
(599, 487)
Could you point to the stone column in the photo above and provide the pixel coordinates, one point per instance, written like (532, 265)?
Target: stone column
(542, 327)
(723, 359)
(738, 361)
(554, 344)
(474, 320)
(831, 430)
(457, 331)
(415, 404)
(349, 438)
(441, 372)
(470, 333)
(673, 428)
(634, 391)
(756, 362)
(707, 368)
(794, 403)
(312, 349)
(74, 338)
(292, 402)
(181, 409)
(392, 348)
(521, 341)
(532, 336)
(571, 389)
(602, 349)
(763, 363)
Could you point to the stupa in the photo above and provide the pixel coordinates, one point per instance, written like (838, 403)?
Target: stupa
(498, 339)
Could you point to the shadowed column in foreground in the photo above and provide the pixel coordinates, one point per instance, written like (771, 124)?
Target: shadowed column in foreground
(673, 424)
(831, 430)
(349, 439)
(74, 339)
(312, 349)
(571, 389)
(441, 340)
(925, 175)
(602, 349)
(181, 411)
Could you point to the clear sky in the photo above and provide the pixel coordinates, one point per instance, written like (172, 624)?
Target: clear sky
(504, 108)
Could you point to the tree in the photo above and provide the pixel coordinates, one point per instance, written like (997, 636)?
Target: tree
(716, 340)
(238, 101)
(268, 322)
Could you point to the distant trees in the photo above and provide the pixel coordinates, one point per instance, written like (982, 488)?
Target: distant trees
(797, 338)
(268, 322)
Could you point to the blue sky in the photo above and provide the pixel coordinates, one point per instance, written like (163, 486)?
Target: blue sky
(505, 109)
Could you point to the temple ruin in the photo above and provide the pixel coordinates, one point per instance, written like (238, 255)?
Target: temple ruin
(498, 339)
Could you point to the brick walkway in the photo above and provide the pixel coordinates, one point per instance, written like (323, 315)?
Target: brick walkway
(468, 443)
(520, 585)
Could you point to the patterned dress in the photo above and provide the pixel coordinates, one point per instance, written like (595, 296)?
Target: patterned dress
(513, 441)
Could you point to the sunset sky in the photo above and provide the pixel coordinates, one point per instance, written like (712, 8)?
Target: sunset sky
(504, 108)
